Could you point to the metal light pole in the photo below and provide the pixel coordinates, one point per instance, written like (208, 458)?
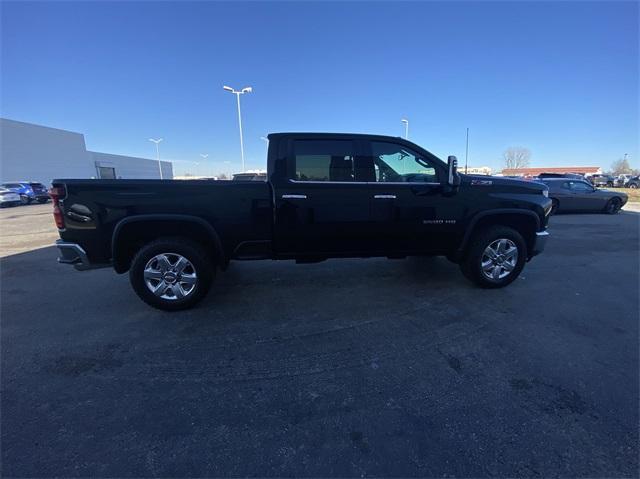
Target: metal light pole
(247, 89)
(157, 142)
(406, 128)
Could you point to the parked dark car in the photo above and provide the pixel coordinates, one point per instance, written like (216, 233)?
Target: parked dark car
(602, 180)
(327, 196)
(576, 176)
(634, 182)
(40, 192)
(578, 195)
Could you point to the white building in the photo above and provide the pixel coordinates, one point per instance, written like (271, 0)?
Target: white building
(31, 152)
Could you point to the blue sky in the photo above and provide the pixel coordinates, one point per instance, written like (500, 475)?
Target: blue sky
(558, 78)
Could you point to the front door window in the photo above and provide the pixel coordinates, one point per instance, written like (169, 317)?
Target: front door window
(395, 163)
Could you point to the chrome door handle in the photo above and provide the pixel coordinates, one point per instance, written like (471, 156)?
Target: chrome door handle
(294, 197)
(385, 197)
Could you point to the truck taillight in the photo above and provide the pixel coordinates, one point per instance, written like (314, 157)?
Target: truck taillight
(57, 193)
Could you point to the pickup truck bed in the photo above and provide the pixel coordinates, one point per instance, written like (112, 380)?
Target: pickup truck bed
(129, 211)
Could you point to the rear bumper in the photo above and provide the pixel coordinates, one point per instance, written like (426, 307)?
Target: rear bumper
(72, 253)
(540, 242)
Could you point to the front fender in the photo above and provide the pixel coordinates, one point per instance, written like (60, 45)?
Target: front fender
(493, 217)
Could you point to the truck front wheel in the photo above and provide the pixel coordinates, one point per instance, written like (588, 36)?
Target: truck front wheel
(171, 273)
(495, 257)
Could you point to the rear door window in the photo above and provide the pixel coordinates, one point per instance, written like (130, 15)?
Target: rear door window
(324, 160)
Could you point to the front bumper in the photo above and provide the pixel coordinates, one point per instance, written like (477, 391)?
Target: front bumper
(72, 253)
(540, 242)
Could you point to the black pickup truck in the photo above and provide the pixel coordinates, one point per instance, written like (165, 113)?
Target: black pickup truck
(326, 196)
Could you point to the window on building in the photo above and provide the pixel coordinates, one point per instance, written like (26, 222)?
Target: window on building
(107, 173)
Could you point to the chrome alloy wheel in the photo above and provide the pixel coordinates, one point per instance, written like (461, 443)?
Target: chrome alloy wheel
(499, 259)
(170, 276)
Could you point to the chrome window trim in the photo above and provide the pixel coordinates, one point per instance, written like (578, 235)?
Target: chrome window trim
(409, 183)
(291, 180)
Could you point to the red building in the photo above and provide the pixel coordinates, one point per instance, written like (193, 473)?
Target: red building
(584, 170)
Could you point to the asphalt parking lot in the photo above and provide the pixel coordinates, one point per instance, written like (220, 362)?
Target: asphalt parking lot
(342, 368)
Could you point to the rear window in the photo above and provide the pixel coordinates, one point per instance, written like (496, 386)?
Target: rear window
(323, 160)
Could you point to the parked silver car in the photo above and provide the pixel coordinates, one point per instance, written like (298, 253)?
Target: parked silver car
(9, 198)
(570, 195)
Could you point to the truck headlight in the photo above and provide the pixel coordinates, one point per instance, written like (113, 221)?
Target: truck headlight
(545, 193)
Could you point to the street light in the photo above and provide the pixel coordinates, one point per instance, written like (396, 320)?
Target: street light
(157, 142)
(406, 128)
(247, 89)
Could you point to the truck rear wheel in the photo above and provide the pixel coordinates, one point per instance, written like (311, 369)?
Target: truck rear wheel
(171, 273)
(495, 257)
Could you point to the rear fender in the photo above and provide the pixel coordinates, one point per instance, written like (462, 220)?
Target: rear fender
(122, 249)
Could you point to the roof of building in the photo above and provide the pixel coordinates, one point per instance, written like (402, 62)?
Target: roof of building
(554, 169)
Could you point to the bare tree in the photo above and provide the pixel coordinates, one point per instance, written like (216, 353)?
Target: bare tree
(620, 166)
(516, 157)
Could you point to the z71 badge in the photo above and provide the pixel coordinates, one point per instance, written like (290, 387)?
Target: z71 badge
(481, 182)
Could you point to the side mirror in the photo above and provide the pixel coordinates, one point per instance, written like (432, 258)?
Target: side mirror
(453, 178)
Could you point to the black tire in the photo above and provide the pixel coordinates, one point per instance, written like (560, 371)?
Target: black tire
(200, 262)
(25, 200)
(471, 264)
(43, 200)
(633, 186)
(554, 206)
(613, 206)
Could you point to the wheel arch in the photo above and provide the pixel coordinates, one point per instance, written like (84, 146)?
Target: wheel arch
(133, 232)
(525, 222)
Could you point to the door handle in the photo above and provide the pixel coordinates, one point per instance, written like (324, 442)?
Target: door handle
(294, 197)
(385, 197)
